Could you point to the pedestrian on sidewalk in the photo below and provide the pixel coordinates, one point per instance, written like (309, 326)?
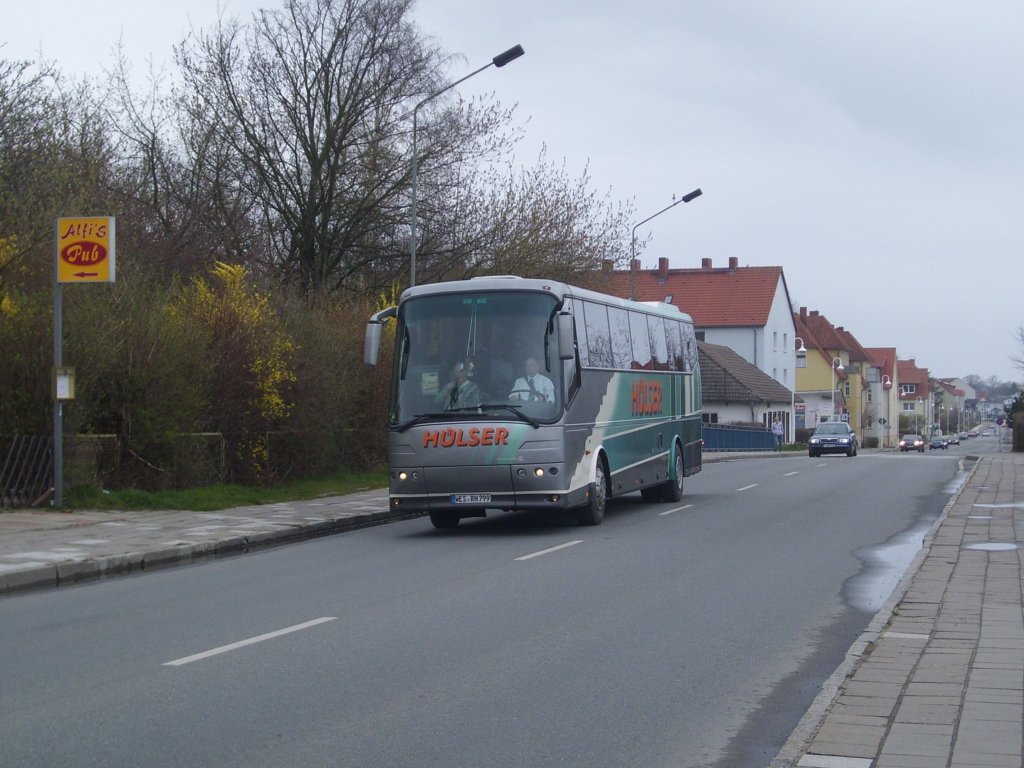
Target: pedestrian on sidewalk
(778, 430)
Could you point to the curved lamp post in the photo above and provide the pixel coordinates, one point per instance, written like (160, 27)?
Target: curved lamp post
(498, 61)
(801, 352)
(916, 409)
(632, 259)
(837, 365)
(886, 385)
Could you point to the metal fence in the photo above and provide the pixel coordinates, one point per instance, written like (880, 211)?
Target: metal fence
(26, 470)
(729, 437)
(185, 461)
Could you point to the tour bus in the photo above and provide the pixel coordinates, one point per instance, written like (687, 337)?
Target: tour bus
(613, 404)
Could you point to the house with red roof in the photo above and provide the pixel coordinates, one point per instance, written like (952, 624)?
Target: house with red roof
(746, 309)
(914, 396)
(831, 377)
(949, 405)
(882, 394)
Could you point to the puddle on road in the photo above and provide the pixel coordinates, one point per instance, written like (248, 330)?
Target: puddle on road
(885, 564)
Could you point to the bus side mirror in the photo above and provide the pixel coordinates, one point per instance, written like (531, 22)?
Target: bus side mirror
(371, 342)
(566, 337)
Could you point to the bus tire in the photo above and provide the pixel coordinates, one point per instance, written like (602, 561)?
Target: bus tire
(672, 491)
(592, 513)
(444, 521)
(651, 494)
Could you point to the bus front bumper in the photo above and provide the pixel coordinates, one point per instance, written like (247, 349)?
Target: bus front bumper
(470, 489)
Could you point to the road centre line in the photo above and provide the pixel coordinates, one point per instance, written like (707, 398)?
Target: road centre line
(550, 549)
(747, 487)
(790, 474)
(250, 641)
(677, 509)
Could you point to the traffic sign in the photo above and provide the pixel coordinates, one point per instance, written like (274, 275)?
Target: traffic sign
(85, 250)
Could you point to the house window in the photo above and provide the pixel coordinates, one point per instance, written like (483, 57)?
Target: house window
(908, 389)
(910, 407)
(870, 398)
(846, 389)
(710, 418)
(785, 375)
(775, 373)
(775, 341)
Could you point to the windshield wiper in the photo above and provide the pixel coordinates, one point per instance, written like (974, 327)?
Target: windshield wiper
(532, 422)
(417, 419)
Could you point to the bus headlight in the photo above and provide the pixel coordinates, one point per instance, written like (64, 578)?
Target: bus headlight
(538, 472)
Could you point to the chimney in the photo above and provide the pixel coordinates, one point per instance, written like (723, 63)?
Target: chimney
(663, 268)
(606, 265)
(734, 262)
(636, 265)
(705, 263)
(803, 313)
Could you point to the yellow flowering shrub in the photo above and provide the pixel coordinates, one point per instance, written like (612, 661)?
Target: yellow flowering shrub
(251, 354)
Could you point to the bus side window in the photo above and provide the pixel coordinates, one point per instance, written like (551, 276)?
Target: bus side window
(675, 345)
(598, 342)
(641, 341)
(659, 344)
(622, 352)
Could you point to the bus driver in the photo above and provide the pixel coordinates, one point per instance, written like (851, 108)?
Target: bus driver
(535, 386)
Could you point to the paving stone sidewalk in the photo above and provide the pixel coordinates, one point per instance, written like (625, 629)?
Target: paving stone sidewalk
(938, 678)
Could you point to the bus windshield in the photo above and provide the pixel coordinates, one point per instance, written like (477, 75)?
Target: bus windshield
(479, 352)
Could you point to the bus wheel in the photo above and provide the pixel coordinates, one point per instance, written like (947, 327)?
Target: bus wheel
(444, 520)
(673, 490)
(592, 513)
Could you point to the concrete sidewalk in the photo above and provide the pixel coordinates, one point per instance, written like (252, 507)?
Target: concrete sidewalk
(936, 680)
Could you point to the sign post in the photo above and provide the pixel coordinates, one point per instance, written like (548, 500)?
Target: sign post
(83, 252)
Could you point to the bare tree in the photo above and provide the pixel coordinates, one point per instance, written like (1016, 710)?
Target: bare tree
(534, 222)
(1018, 359)
(311, 99)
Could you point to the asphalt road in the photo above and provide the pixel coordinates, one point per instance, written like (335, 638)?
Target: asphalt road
(694, 634)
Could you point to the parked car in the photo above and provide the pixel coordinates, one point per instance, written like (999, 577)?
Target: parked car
(938, 442)
(963, 436)
(972, 433)
(832, 437)
(912, 443)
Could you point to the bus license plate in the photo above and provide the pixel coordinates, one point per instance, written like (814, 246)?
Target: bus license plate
(471, 498)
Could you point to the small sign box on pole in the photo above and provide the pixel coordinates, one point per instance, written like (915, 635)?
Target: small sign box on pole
(85, 250)
(64, 383)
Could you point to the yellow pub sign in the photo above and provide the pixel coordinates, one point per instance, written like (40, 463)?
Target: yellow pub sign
(85, 250)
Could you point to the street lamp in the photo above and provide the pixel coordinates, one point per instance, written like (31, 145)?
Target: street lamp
(886, 385)
(916, 410)
(837, 365)
(498, 61)
(632, 259)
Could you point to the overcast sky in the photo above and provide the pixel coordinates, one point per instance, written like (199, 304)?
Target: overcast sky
(873, 150)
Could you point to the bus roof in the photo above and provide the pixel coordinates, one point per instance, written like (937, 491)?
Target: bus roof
(558, 289)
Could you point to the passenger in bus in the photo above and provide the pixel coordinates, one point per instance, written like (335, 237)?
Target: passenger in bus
(460, 391)
(534, 386)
